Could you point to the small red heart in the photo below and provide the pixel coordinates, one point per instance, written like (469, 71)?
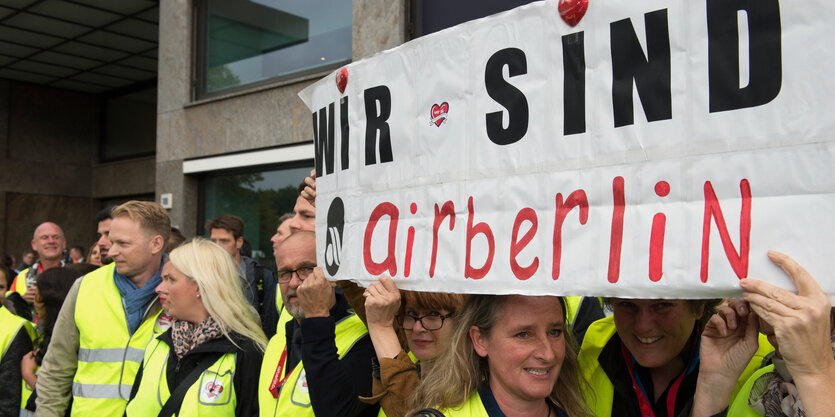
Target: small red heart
(438, 113)
(572, 11)
(342, 79)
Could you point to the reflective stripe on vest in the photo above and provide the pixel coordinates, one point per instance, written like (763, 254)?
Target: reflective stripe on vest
(108, 356)
(25, 393)
(600, 390)
(293, 398)
(211, 395)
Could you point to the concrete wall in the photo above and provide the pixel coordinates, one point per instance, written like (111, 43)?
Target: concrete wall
(267, 116)
(48, 150)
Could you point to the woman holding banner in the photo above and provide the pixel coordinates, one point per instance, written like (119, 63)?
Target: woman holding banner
(509, 354)
(427, 319)
(644, 359)
(800, 380)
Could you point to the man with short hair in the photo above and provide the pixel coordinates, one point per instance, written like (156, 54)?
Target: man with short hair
(107, 319)
(77, 254)
(49, 243)
(318, 362)
(304, 213)
(259, 284)
(103, 220)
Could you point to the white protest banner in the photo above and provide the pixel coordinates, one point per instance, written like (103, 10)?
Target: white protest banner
(655, 149)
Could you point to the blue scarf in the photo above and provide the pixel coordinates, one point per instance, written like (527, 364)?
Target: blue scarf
(135, 300)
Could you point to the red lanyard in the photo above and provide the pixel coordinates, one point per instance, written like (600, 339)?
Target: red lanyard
(640, 392)
(276, 384)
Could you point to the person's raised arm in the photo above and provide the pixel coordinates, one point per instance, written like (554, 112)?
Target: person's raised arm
(729, 341)
(802, 327)
(382, 301)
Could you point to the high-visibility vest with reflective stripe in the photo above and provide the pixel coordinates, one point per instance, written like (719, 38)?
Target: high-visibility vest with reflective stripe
(108, 355)
(19, 283)
(211, 395)
(294, 398)
(25, 393)
(739, 403)
(10, 326)
(600, 389)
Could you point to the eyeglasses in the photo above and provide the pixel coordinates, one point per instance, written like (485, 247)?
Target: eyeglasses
(287, 275)
(431, 321)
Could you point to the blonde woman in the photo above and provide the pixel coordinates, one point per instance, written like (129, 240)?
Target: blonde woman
(508, 355)
(206, 362)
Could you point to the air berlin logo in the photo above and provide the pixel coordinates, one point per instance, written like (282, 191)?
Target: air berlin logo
(333, 241)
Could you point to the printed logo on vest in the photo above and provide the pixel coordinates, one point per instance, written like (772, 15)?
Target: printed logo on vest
(210, 392)
(333, 241)
(164, 321)
(301, 385)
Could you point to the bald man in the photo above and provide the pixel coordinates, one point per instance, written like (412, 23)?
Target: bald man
(49, 243)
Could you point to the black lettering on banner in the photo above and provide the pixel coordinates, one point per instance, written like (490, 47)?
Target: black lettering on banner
(651, 72)
(343, 125)
(574, 83)
(765, 56)
(377, 122)
(507, 95)
(323, 136)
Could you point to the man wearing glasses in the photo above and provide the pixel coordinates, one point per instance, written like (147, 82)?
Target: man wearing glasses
(319, 362)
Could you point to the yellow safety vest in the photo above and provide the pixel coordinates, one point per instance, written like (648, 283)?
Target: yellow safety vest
(108, 355)
(600, 392)
(739, 403)
(293, 397)
(10, 326)
(211, 395)
(18, 284)
(473, 407)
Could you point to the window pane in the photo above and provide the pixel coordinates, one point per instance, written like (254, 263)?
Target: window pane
(251, 41)
(259, 197)
(130, 125)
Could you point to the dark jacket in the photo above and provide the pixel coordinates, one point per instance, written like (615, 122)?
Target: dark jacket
(335, 384)
(247, 367)
(260, 290)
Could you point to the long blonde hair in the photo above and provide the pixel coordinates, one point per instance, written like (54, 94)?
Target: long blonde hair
(214, 271)
(459, 371)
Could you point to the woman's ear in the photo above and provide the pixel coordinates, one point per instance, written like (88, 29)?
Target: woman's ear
(479, 340)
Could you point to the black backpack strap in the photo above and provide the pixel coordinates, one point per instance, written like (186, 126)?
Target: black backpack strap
(175, 401)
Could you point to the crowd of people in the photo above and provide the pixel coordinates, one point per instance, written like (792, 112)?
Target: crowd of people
(147, 323)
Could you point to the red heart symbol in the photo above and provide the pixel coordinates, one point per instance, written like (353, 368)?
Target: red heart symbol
(342, 79)
(439, 112)
(572, 11)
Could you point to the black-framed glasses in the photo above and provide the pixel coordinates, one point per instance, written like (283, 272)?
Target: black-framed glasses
(286, 275)
(432, 321)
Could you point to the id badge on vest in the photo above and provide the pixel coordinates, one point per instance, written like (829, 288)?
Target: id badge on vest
(215, 389)
(301, 394)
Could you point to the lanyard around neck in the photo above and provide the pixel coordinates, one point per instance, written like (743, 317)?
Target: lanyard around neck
(672, 393)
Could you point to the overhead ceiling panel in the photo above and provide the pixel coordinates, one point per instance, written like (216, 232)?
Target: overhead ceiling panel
(65, 60)
(138, 28)
(142, 62)
(149, 15)
(124, 7)
(125, 72)
(43, 69)
(5, 12)
(27, 38)
(12, 49)
(90, 51)
(75, 12)
(5, 60)
(24, 76)
(117, 42)
(101, 79)
(45, 25)
(18, 4)
(80, 86)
